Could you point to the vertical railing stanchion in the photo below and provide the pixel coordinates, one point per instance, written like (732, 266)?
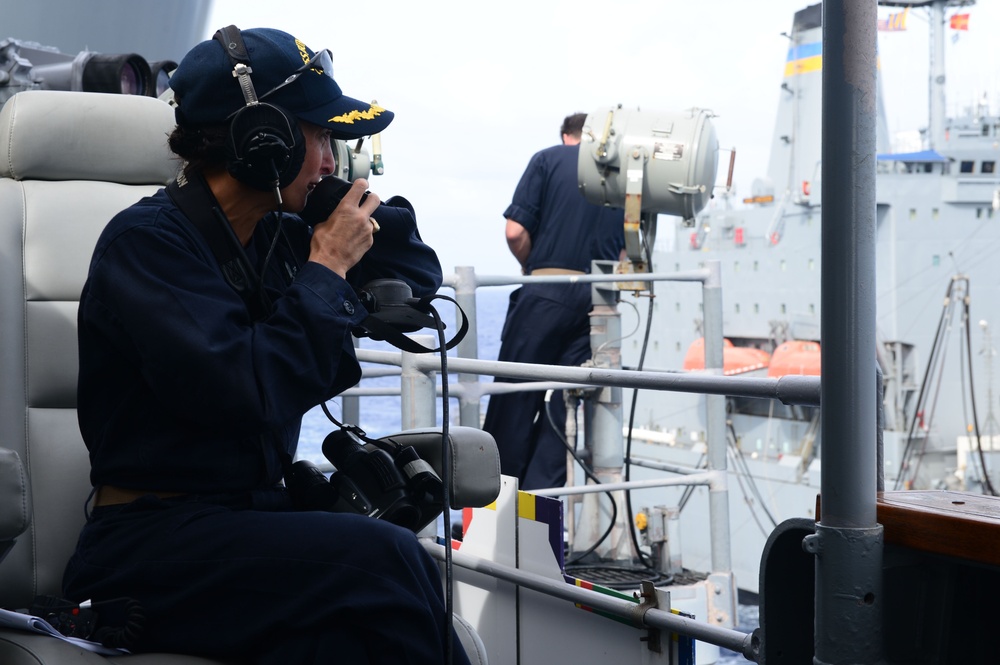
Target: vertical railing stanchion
(724, 600)
(604, 432)
(465, 296)
(715, 424)
(418, 396)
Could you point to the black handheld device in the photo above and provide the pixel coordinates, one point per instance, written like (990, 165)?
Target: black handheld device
(324, 199)
(379, 478)
(376, 474)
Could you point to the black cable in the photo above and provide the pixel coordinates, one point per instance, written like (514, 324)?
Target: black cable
(689, 489)
(445, 484)
(270, 250)
(329, 415)
(127, 635)
(643, 559)
(929, 421)
(918, 406)
(576, 561)
(972, 396)
(446, 489)
(261, 292)
(648, 563)
(739, 461)
(589, 473)
(931, 410)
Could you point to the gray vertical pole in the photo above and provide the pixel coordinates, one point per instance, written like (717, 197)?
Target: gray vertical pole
(418, 390)
(465, 296)
(604, 425)
(605, 344)
(936, 76)
(715, 423)
(848, 541)
(350, 409)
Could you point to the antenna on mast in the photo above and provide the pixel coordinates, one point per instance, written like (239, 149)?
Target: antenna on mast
(936, 70)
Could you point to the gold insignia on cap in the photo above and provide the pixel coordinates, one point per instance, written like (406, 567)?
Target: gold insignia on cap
(349, 118)
(304, 54)
(303, 51)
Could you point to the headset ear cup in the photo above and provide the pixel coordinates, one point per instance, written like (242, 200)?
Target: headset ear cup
(264, 144)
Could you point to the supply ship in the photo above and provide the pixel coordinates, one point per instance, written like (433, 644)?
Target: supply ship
(938, 301)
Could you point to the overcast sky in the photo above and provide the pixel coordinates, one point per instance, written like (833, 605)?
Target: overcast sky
(478, 88)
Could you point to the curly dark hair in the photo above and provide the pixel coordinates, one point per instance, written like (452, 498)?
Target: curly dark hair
(201, 147)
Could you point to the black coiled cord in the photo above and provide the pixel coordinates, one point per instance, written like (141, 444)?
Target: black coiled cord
(125, 636)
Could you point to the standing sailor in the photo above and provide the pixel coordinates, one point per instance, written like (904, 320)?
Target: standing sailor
(551, 230)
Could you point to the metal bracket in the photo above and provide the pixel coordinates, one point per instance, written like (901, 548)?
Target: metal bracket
(647, 601)
(635, 169)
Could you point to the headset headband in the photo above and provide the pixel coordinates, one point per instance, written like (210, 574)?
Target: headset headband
(232, 42)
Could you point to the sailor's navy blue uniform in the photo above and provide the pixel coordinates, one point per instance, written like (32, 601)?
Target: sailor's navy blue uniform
(180, 391)
(549, 323)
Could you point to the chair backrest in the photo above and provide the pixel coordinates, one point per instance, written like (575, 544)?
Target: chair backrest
(68, 162)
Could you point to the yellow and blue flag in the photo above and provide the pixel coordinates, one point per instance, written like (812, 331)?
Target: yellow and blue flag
(894, 22)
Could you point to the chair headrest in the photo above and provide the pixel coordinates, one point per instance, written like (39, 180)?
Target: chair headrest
(62, 135)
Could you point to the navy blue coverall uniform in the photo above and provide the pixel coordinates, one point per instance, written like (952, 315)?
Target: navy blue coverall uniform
(549, 323)
(181, 391)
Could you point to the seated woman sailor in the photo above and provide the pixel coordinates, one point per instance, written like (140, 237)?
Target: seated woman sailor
(211, 321)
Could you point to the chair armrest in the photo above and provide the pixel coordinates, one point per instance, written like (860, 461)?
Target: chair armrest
(475, 462)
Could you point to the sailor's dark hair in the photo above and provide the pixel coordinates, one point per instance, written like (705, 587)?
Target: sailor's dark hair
(201, 147)
(573, 125)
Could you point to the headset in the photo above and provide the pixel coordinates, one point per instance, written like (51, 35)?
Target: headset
(265, 147)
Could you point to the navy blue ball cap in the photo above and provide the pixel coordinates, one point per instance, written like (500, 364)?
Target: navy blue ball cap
(206, 92)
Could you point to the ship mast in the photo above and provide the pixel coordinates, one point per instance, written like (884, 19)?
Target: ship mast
(935, 76)
(935, 73)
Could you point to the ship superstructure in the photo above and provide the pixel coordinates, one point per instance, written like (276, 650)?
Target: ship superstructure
(938, 294)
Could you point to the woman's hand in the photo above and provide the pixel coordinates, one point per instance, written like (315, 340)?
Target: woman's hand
(345, 236)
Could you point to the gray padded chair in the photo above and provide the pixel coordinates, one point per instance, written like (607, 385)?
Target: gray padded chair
(15, 505)
(70, 161)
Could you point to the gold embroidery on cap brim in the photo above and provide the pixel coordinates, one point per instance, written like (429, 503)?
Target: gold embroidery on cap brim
(349, 118)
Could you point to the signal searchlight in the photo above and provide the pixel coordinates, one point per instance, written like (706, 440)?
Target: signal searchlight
(648, 162)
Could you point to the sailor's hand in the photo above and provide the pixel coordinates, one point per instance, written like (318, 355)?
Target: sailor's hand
(345, 236)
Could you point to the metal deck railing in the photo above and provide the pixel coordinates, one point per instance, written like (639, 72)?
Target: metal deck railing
(419, 392)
